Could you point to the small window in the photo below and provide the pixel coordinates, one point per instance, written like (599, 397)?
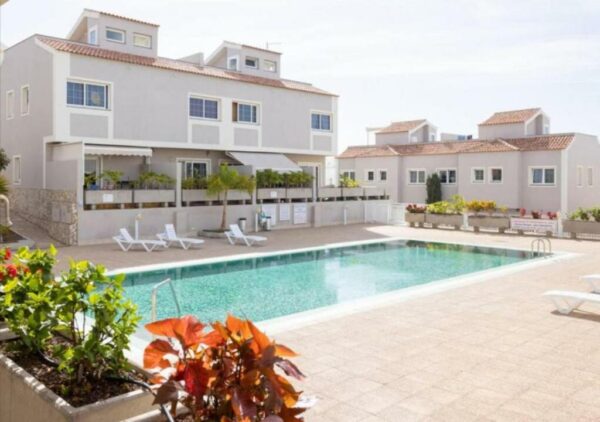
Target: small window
(204, 108)
(270, 65)
(10, 104)
(115, 35)
(251, 62)
(87, 95)
(540, 176)
(16, 161)
(245, 113)
(383, 175)
(350, 174)
(447, 176)
(579, 176)
(24, 100)
(93, 36)
(495, 175)
(321, 121)
(370, 175)
(195, 169)
(478, 175)
(416, 177)
(141, 40)
(590, 176)
(232, 63)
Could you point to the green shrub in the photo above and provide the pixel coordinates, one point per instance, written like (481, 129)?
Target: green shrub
(269, 179)
(347, 182)
(194, 183)
(595, 213)
(4, 160)
(580, 214)
(434, 188)
(113, 177)
(455, 206)
(152, 180)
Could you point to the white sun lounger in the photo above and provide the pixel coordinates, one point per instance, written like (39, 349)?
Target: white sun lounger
(126, 242)
(594, 281)
(170, 237)
(235, 233)
(567, 301)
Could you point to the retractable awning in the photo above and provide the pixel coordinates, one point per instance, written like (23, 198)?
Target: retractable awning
(264, 160)
(122, 151)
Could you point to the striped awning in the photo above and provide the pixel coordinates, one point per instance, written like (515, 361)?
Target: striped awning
(122, 151)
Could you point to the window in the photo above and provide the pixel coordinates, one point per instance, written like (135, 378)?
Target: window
(383, 175)
(542, 176)
(24, 100)
(16, 169)
(245, 113)
(232, 63)
(87, 95)
(195, 169)
(477, 175)
(115, 35)
(270, 65)
(204, 108)
(447, 176)
(251, 62)
(10, 104)
(350, 174)
(590, 176)
(321, 121)
(416, 177)
(141, 40)
(579, 176)
(370, 175)
(93, 36)
(495, 175)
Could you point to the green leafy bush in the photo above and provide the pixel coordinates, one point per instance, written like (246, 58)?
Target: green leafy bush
(4, 160)
(111, 177)
(580, 214)
(194, 183)
(455, 206)
(269, 179)
(434, 188)
(347, 182)
(152, 180)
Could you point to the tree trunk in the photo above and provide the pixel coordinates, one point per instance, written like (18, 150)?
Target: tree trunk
(224, 216)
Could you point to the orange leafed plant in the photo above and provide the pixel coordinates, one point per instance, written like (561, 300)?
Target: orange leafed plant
(232, 373)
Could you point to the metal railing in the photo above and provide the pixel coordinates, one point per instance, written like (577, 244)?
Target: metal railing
(154, 297)
(539, 245)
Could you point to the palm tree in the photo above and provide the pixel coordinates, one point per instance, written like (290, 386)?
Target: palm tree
(225, 180)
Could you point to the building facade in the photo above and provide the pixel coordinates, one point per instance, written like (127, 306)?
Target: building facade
(516, 162)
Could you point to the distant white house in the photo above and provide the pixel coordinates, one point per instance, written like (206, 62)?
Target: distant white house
(516, 162)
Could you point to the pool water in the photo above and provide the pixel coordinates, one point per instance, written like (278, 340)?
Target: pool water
(274, 286)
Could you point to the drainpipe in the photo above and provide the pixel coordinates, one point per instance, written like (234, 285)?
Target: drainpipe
(6, 201)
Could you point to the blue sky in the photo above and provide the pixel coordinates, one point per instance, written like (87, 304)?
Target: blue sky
(453, 62)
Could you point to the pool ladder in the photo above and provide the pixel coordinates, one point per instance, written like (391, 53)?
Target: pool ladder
(539, 245)
(154, 299)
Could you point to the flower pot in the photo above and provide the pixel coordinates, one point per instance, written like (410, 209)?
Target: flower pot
(329, 194)
(489, 222)
(238, 195)
(164, 196)
(414, 219)
(197, 195)
(275, 194)
(299, 193)
(453, 220)
(575, 227)
(23, 398)
(540, 225)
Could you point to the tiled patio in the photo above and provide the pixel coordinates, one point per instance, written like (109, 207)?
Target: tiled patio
(488, 351)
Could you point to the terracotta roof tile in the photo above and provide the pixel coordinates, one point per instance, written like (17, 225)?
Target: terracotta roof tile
(406, 126)
(175, 65)
(511, 116)
(535, 143)
(121, 17)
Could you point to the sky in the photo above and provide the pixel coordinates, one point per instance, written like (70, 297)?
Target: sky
(452, 62)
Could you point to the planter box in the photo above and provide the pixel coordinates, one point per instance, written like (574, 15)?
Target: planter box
(96, 197)
(575, 227)
(489, 222)
(141, 196)
(353, 192)
(23, 398)
(268, 193)
(414, 219)
(374, 192)
(238, 195)
(299, 193)
(522, 225)
(196, 195)
(454, 220)
(330, 193)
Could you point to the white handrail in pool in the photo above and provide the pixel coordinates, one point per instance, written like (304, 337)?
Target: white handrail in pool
(153, 297)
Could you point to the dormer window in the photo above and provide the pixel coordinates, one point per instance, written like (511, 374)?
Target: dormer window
(270, 65)
(251, 62)
(141, 40)
(93, 36)
(115, 35)
(232, 63)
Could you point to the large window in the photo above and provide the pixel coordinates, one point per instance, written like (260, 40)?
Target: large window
(10, 104)
(447, 176)
(115, 35)
(478, 175)
(245, 113)
(141, 40)
(542, 176)
(496, 175)
(194, 169)
(204, 108)
(321, 121)
(87, 95)
(416, 177)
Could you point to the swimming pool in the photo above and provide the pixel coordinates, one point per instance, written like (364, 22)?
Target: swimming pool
(283, 284)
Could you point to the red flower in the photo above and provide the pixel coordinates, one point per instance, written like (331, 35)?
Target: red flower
(7, 254)
(11, 270)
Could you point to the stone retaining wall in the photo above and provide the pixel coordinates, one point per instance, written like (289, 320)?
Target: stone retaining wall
(54, 211)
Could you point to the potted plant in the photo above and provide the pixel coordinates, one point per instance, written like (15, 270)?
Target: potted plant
(232, 373)
(72, 332)
(154, 188)
(483, 216)
(415, 215)
(434, 188)
(537, 222)
(298, 185)
(446, 213)
(350, 188)
(269, 186)
(109, 192)
(194, 189)
(583, 221)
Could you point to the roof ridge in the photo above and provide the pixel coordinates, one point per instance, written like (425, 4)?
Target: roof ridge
(508, 144)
